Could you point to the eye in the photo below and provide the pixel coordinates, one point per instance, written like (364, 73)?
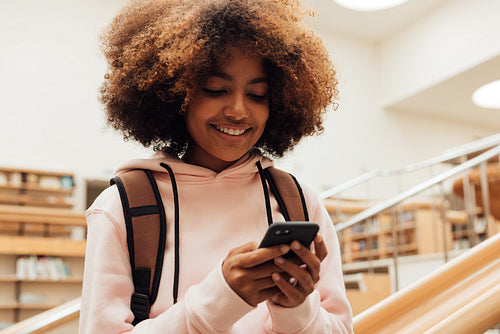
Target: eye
(258, 97)
(214, 92)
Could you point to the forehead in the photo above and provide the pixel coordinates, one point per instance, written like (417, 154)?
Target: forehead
(234, 59)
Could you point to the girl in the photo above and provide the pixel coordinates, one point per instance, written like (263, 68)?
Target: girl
(215, 86)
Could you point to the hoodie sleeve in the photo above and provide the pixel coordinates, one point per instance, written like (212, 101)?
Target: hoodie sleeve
(326, 310)
(107, 288)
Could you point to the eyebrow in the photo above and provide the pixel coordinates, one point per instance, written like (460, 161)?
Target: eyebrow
(227, 77)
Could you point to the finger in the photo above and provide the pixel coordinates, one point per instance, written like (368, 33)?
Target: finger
(320, 247)
(264, 284)
(304, 277)
(310, 259)
(264, 270)
(294, 295)
(262, 255)
(269, 293)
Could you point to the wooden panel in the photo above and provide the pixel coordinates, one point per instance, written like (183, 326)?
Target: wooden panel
(19, 245)
(377, 287)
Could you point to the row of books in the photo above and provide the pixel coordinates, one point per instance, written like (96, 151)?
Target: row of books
(41, 267)
(384, 223)
(19, 179)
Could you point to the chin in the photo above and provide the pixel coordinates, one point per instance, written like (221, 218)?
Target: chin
(231, 157)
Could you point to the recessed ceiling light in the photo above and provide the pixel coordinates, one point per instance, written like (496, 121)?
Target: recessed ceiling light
(488, 96)
(369, 5)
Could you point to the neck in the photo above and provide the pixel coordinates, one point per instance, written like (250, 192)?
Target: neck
(216, 165)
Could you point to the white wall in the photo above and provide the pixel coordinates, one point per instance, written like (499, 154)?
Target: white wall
(454, 37)
(50, 72)
(361, 135)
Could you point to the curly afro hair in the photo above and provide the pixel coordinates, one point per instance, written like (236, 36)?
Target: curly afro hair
(160, 51)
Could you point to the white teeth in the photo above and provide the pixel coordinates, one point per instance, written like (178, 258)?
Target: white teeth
(232, 132)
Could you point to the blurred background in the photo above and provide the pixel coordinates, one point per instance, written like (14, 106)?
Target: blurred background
(393, 165)
(406, 74)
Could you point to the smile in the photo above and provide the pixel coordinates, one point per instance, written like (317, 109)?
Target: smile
(230, 131)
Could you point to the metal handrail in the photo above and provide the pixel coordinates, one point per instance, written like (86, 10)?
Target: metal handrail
(391, 202)
(447, 156)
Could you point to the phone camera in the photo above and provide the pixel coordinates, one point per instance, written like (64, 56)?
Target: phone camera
(282, 232)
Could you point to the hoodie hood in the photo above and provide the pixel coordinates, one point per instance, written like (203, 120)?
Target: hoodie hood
(183, 171)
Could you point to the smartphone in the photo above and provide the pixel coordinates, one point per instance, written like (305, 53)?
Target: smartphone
(286, 232)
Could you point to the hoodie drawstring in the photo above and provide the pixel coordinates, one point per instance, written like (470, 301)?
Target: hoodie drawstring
(175, 292)
(264, 179)
(266, 193)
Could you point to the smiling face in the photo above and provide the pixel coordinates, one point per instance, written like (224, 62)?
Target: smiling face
(229, 112)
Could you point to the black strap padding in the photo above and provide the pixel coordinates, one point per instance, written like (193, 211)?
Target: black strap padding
(140, 303)
(144, 210)
(162, 239)
(128, 223)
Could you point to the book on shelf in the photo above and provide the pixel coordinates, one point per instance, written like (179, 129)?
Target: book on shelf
(41, 267)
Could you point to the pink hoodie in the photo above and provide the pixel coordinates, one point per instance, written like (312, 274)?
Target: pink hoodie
(218, 212)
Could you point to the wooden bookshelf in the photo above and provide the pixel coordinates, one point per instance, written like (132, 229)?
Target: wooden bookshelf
(41, 233)
(14, 279)
(420, 230)
(21, 245)
(36, 188)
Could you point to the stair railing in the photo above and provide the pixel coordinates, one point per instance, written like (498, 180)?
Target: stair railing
(45, 321)
(391, 203)
(455, 155)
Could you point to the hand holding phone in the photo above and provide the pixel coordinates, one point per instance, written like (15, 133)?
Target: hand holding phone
(286, 232)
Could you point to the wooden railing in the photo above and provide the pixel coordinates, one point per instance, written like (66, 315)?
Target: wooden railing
(462, 297)
(45, 321)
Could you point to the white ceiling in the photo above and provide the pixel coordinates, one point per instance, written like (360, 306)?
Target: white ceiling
(450, 99)
(370, 26)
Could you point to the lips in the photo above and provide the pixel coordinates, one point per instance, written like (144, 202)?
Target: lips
(229, 130)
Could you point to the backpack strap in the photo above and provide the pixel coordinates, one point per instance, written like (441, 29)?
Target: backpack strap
(285, 186)
(287, 192)
(146, 234)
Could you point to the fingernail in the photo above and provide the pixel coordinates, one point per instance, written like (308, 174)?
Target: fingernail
(285, 249)
(279, 260)
(296, 245)
(276, 277)
(320, 238)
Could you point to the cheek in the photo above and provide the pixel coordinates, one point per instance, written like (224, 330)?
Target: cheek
(262, 117)
(193, 118)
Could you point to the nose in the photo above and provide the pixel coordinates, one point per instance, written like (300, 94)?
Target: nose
(237, 108)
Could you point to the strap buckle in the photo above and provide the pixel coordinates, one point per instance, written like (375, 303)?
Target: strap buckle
(139, 304)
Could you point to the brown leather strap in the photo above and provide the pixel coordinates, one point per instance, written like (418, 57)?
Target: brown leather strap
(146, 233)
(140, 195)
(291, 193)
